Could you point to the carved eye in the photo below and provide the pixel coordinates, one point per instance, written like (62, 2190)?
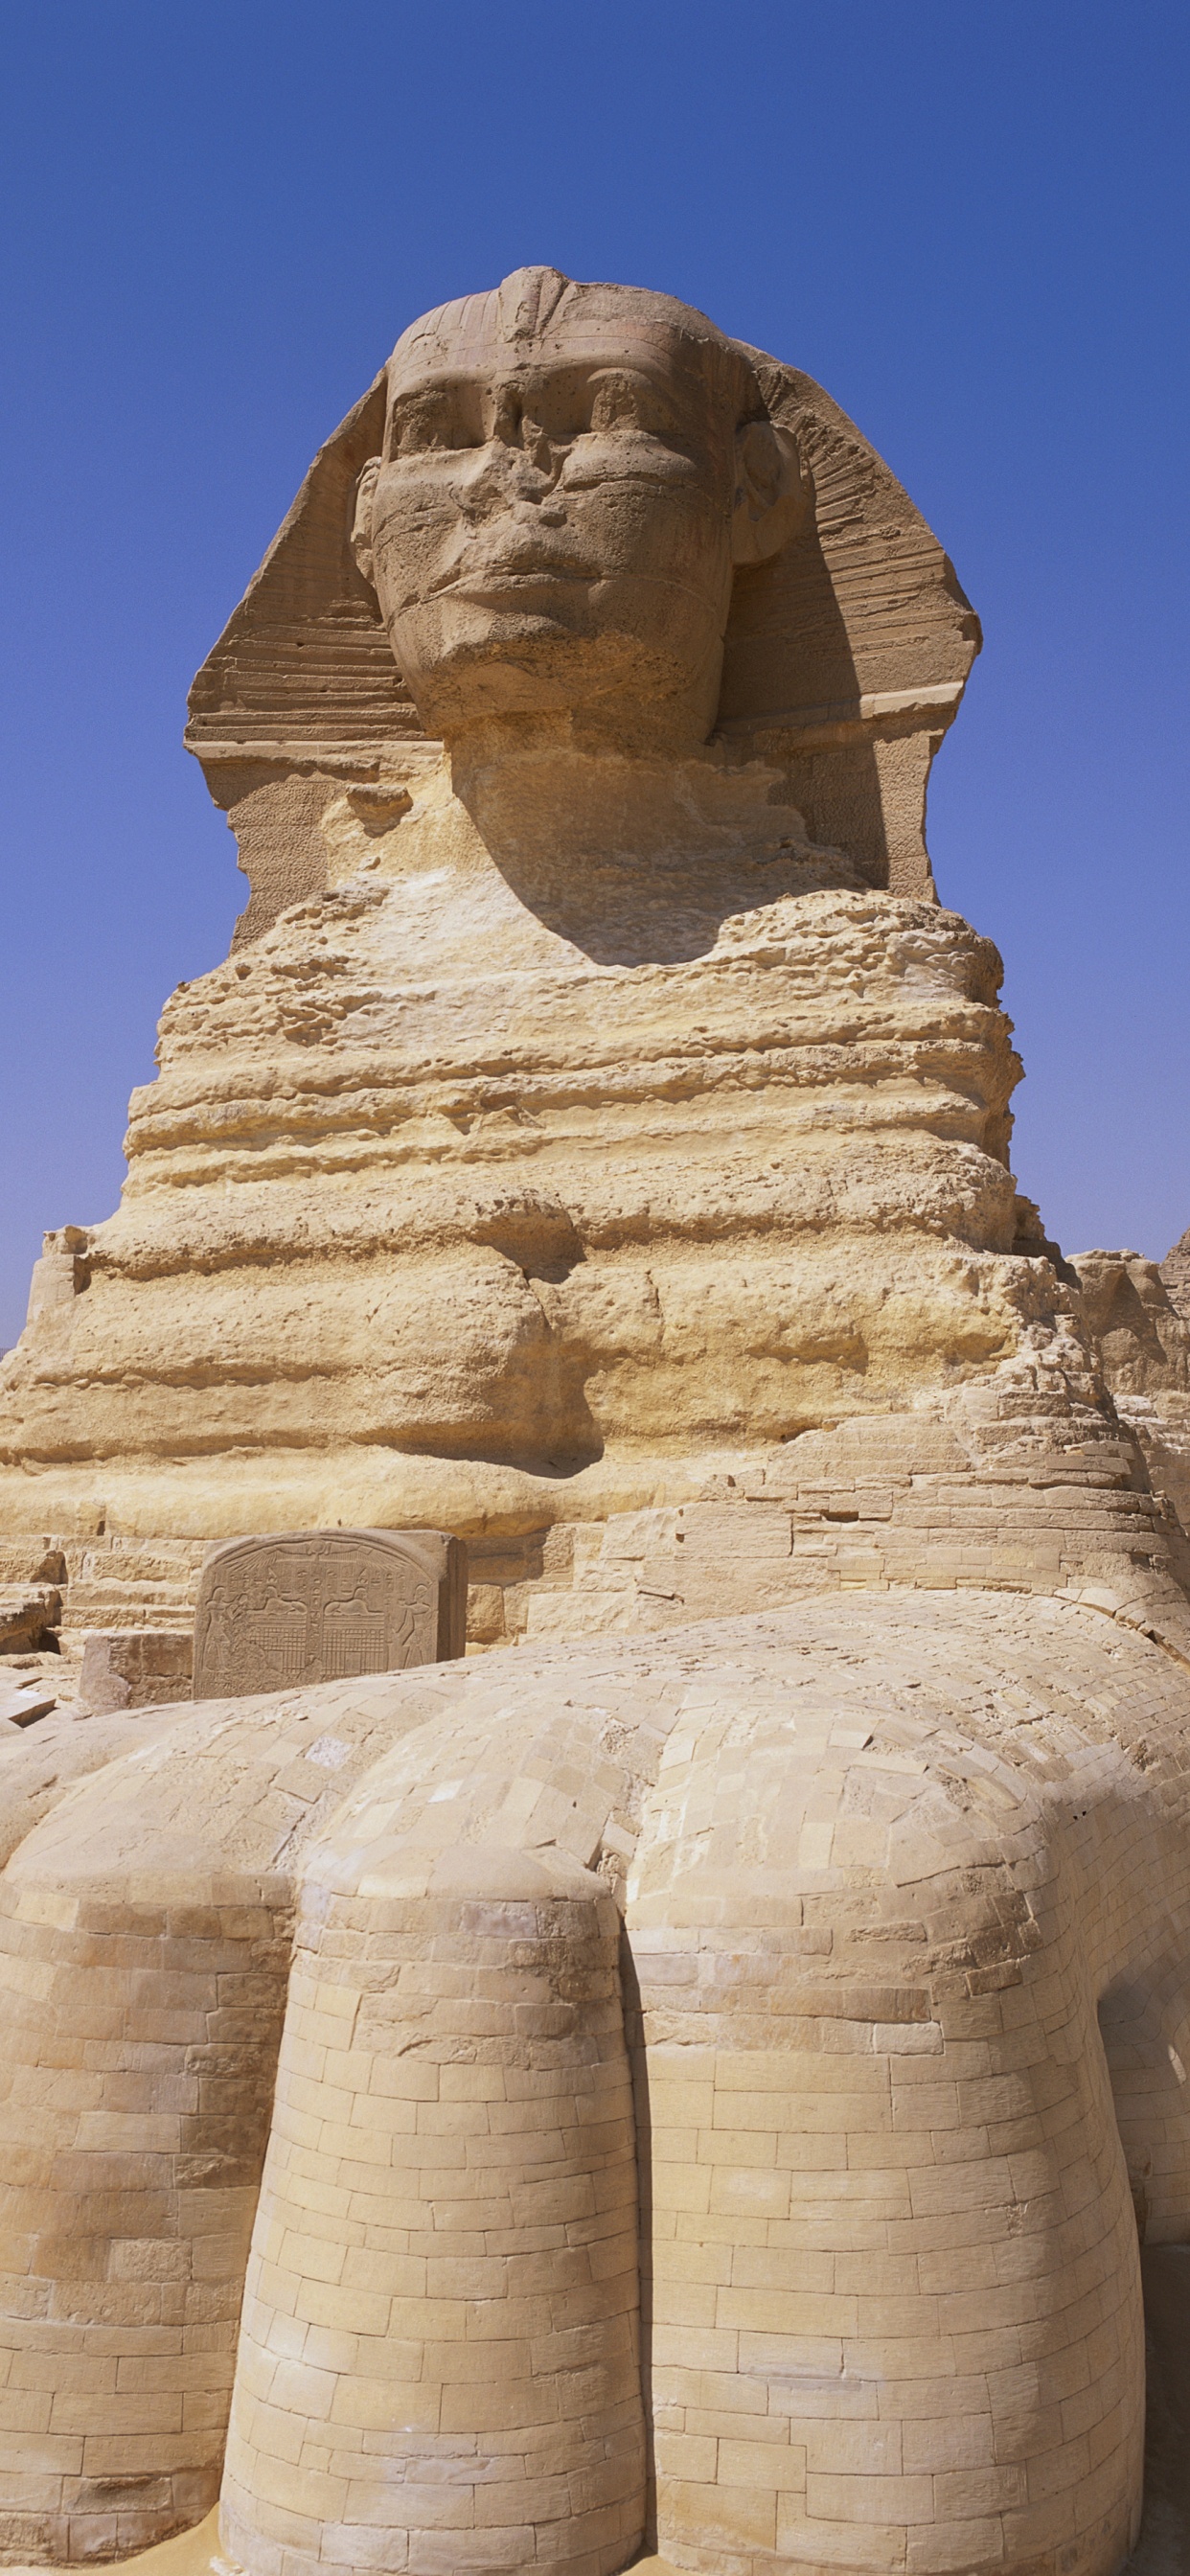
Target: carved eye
(622, 399)
(439, 418)
(561, 406)
(615, 403)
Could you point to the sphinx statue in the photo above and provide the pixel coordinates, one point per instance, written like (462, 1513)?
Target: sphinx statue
(707, 2078)
(570, 760)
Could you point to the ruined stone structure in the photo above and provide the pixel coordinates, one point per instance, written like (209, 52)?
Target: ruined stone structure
(468, 1193)
(1139, 1313)
(695, 2082)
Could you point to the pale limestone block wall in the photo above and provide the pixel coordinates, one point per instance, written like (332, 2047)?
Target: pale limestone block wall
(889, 1857)
(145, 1938)
(897, 2315)
(885, 1867)
(1014, 1501)
(39, 1763)
(135, 2089)
(440, 2360)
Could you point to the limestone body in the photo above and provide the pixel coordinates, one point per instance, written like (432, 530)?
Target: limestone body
(697, 2080)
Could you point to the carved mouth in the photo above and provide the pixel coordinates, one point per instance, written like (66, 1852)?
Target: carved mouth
(480, 580)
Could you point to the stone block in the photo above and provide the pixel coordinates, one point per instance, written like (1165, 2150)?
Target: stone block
(32, 1560)
(726, 1532)
(20, 1707)
(322, 1605)
(485, 1614)
(29, 1613)
(61, 1273)
(134, 1668)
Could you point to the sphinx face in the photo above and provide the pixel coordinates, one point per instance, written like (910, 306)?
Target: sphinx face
(549, 526)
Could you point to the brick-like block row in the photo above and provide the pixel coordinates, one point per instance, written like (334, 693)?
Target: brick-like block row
(140, 2031)
(145, 1944)
(913, 1994)
(440, 2364)
(986, 1496)
(884, 1904)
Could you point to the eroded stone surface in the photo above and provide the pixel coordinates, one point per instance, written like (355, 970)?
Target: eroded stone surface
(1175, 1271)
(699, 2088)
(29, 1613)
(134, 1668)
(1140, 1316)
(506, 1170)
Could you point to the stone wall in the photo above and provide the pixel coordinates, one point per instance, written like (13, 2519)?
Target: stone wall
(994, 1496)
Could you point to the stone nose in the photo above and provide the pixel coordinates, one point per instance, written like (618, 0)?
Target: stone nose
(501, 472)
(516, 427)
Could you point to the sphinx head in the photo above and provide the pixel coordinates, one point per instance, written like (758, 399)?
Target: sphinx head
(569, 476)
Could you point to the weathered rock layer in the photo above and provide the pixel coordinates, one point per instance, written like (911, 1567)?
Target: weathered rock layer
(443, 1196)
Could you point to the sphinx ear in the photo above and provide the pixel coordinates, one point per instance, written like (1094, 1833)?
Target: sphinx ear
(361, 523)
(774, 493)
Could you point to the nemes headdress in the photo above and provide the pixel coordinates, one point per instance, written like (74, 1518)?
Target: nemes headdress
(846, 652)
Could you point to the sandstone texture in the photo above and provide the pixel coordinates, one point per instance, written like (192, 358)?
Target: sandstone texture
(1139, 1312)
(1175, 1271)
(697, 2078)
(19, 1706)
(29, 1613)
(497, 1179)
(135, 1668)
(690, 1207)
(692, 1210)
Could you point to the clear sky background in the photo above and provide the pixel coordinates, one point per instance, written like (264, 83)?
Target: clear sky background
(967, 218)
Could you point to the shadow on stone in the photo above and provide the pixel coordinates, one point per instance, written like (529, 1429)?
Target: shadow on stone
(1164, 2545)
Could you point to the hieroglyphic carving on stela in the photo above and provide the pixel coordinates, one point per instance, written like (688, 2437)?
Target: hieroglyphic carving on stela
(322, 1605)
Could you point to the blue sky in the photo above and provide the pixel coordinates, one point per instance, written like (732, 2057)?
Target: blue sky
(968, 219)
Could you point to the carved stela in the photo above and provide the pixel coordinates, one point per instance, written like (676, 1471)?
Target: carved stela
(320, 1605)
